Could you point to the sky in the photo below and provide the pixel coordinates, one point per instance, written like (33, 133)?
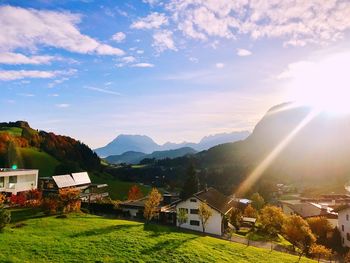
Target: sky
(174, 70)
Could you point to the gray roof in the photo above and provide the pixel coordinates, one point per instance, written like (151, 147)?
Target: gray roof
(64, 180)
(81, 178)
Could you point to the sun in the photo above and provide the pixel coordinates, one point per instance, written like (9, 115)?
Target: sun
(323, 85)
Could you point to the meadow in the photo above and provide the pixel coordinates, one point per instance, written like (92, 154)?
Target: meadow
(88, 238)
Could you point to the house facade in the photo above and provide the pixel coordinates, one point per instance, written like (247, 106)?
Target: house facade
(14, 181)
(344, 225)
(219, 204)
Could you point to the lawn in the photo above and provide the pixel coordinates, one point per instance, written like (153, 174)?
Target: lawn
(32, 158)
(87, 238)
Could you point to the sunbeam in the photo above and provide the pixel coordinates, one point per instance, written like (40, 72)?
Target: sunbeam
(261, 168)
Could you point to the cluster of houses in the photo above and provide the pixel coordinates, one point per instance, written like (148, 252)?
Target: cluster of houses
(16, 181)
(335, 207)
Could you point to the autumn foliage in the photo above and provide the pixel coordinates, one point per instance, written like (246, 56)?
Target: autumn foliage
(134, 193)
(70, 199)
(151, 205)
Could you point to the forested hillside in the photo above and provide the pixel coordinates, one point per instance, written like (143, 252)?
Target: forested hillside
(50, 153)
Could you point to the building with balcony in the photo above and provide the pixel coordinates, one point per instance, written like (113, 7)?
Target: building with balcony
(14, 181)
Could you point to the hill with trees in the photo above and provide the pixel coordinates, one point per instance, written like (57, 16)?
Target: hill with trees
(25, 147)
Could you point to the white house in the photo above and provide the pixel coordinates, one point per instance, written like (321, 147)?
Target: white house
(344, 224)
(220, 206)
(14, 181)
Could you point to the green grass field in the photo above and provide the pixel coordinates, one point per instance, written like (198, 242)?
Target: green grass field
(118, 190)
(15, 131)
(87, 238)
(32, 158)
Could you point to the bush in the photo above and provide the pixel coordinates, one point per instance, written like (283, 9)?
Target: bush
(5, 217)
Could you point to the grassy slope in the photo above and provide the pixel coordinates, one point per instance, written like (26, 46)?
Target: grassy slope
(118, 190)
(15, 131)
(86, 238)
(33, 158)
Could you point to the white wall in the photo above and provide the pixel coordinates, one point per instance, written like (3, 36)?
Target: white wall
(213, 225)
(346, 223)
(26, 180)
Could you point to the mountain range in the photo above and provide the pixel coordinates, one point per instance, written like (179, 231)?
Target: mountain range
(144, 144)
(136, 157)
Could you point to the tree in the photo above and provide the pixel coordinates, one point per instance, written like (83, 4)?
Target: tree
(271, 219)
(320, 227)
(318, 251)
(258, 201)
(5, 216)
(134, 193)
(236, 218)
(182, 216)
(298, 232)
(204, 213)
(191, 184)
(250, 211)
(70, 198)
(151, 205)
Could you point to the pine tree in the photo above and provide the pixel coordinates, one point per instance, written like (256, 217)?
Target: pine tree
(191, 184)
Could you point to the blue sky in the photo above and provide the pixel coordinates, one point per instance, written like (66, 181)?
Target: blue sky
(174, 70)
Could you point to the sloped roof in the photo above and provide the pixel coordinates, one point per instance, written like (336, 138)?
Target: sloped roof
(215, 199)
(64, 180)
(81, 178)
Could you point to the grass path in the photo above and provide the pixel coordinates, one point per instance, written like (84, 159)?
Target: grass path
(87, 238)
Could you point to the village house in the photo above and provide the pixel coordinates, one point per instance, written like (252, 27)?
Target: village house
(219, 204)
(89, 191)
(14, 181)
(166, 209)
(307, 209)
(344, 224)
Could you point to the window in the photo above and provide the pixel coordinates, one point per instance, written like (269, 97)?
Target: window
(342, 227)
(347, 217)
(193, 200)
(2, 182)
(183, 209)
(348, 236)
(194, 211)
(13, 179)
(194, 223)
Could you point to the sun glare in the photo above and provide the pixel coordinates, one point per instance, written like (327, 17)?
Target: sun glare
(323, 85)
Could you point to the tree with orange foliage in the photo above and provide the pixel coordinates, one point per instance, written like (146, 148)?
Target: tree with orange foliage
(134, 193)
(151, 205)
(70, 199)
(250, 211)
(297, 231)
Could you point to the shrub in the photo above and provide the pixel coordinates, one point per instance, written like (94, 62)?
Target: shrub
(50, 205)
(5, 217)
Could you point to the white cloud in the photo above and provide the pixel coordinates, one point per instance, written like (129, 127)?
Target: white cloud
(128, 59)
(26, 94)
(219, 65)
(62, 105)
(107, 91)
(8, 75)
(18, 59)
(140, 51)
(150, 2)
(143, 65)
(297, 22)
(30, 28)
(119, 37)
(163, 40)
(154, 20)
(243, 52)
